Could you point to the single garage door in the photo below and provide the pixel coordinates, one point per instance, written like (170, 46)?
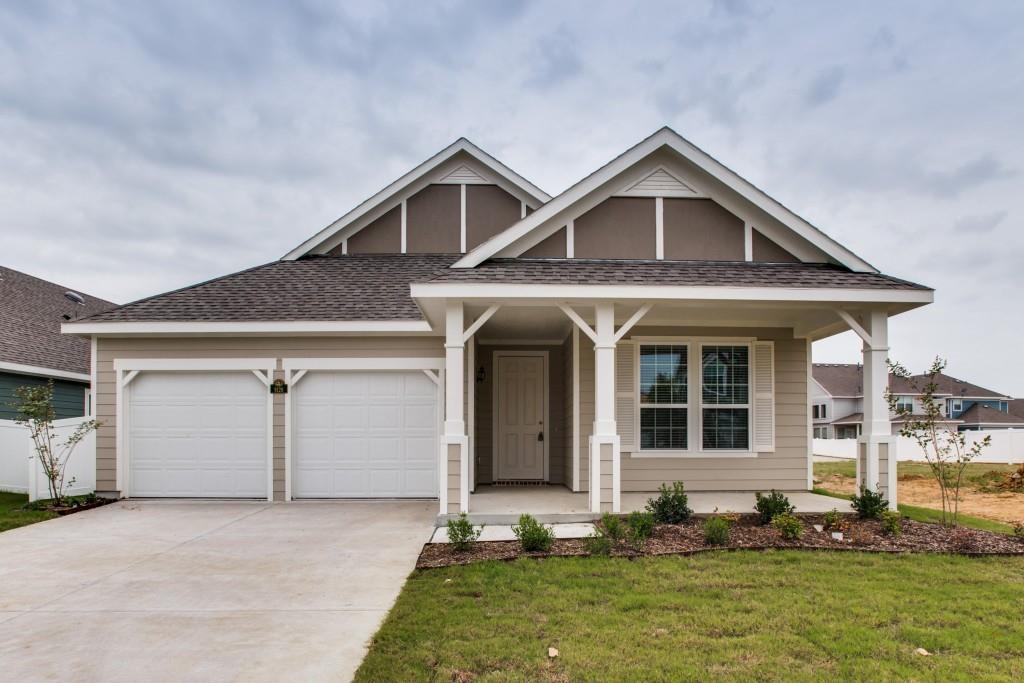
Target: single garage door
(365, 435)
(197, 434)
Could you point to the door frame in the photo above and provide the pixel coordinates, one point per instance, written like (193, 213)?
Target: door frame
(494, 409)
(296, 368)
(127, 369)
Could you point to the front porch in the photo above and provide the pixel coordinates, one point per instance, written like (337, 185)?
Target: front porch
(557, 504)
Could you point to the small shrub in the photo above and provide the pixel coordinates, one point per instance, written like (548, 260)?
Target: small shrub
(639, 527)
(789, 525)
(671, 505)
(830, 520)
(772, 505)
(598, 543)
(461, 532)
(716, 531)
(891, 523)
(869, 504)
(613, 527)
(1018, 530)
(533, 536)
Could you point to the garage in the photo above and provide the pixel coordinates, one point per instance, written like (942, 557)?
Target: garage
(200, 434)
(364, 433)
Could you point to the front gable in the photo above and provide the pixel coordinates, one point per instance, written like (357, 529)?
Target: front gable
(665, 199)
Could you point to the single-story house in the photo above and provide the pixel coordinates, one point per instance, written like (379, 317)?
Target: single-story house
(32, 349)
(462, 329)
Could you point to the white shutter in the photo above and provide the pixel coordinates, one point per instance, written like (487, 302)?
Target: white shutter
(625, 405)
(764, 396)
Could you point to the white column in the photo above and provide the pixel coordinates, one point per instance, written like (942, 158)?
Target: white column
(876, 432)
(604, 444)
(454, 441)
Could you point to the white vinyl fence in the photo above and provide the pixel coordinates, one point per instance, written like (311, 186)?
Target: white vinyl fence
(20, 471)
(1007, 447)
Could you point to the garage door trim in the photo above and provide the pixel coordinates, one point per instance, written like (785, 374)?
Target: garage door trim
(127, 369)
(296, 368)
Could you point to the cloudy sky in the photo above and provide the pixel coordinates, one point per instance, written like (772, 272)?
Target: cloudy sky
(147, 146)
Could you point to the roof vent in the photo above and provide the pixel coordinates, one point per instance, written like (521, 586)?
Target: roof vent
(75, 298)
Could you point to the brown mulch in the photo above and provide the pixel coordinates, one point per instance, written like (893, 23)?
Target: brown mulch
(747, 533)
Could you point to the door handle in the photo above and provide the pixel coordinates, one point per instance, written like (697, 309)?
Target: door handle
(540, 436)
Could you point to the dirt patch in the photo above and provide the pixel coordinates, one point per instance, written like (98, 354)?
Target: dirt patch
(747, 533)
(1003, 506)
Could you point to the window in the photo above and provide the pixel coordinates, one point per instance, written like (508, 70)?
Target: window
(725, 397)
(821, 432)
(664, 398)
(819, 411)
(904, 404)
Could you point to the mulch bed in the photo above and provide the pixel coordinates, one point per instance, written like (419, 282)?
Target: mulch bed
(65, 510)
(746, 533)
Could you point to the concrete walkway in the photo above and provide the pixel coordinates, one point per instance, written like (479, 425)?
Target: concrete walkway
(204, 591)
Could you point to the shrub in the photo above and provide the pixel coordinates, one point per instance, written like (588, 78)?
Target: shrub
(891, 523)
(461, 532)
(533, 536)
(1018, 530)
(613, 527)
(772, 505)
(639, 527)
(789, 525)
(671, 505)
(830, 520)
(869, 504)
(716, 531)
(598, 543)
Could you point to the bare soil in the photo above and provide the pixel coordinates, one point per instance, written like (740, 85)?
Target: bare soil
(1003, 506)
(748, 533)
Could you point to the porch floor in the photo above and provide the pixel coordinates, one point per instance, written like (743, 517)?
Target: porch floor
(549, 504)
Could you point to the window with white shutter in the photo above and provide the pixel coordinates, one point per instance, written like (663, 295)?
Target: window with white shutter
(625, 414)
(764, 396)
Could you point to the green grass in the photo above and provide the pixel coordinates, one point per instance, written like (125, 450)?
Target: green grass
(13, 514)
(977, 473)
(919, 514)
(730, 616)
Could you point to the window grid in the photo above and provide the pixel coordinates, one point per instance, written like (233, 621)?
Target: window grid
(664, 396)
(725, 397)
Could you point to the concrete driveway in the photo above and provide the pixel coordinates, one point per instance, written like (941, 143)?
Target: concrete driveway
(211, 591)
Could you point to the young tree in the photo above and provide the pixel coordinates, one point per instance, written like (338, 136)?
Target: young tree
(945, 448)
(35, 411)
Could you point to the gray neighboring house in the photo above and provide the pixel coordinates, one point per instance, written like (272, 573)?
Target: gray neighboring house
(461, 330)
(32, 348)
(837, 402)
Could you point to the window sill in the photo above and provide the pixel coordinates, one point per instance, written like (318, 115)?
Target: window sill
(682, 455)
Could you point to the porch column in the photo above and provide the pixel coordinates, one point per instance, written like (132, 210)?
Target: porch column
(876, 446)
(454, 484)
(604, 444)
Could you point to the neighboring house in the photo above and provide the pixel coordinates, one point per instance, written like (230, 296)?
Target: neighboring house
(32, 348)
(837, 402)
(461, 328)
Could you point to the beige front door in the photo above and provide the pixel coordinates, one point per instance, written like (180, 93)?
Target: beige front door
(521, 435)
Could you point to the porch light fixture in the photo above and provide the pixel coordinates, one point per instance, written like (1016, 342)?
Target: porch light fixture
(481, 375)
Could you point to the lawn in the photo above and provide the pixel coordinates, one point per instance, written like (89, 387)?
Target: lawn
(12, 514)
(976, 473)
(734, 616)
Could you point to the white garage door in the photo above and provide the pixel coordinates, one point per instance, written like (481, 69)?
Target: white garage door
(364, 435)
(197, 434)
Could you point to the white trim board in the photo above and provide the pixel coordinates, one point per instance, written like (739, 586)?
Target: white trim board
(412, 182)
(559, 208)
(363, 363)
(20, 369)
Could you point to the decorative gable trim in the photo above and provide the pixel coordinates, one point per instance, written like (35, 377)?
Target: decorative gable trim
(660, 183)
(464, 175)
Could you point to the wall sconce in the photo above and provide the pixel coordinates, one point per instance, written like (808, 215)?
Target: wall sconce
(481, 375)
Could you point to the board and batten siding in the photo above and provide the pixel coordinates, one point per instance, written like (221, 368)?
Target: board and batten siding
(234, 347)
(785, 468)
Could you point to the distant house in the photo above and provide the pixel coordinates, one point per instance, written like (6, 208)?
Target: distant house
(837, 402)
(32, 348)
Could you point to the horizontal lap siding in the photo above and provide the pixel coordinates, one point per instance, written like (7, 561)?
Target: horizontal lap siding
(233, 347)
(68, 397)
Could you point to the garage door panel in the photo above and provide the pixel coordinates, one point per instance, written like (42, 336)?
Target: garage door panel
(378, 439)
(197, 434)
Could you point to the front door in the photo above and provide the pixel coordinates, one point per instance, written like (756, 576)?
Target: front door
(520, 417)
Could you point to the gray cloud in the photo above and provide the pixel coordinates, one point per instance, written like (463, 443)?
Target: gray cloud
(824, 87)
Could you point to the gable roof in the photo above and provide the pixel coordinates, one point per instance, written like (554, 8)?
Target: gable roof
(462, 148)
(30, 338)
(979, 414)
(1016, 407)
(665, 138)
(846, 380)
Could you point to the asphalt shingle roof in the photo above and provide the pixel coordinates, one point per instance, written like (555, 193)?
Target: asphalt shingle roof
(843, 379)
(981, 414)
(30, 325)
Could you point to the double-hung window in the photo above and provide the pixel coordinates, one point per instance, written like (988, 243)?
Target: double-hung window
(904, 404)
(725, 397)
(664, 397)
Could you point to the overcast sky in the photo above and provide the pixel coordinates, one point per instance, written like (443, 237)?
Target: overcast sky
(148, 146)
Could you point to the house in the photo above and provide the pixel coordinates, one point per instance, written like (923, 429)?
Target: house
(32, 348)
(461, 329)
(837, 400)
